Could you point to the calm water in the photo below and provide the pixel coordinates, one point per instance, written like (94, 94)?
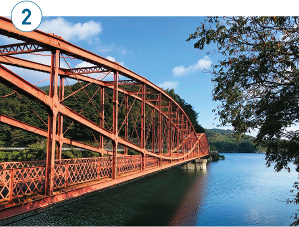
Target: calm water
(238, 191)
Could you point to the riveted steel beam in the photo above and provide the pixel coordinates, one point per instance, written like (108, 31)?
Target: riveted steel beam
(21, 48)
(86, 70)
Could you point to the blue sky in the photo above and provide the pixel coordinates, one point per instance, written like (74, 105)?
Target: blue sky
(153, 47)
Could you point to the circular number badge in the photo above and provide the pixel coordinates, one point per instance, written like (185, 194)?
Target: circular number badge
(26, 16)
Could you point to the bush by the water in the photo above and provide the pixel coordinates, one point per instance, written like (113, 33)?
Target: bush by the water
(216, 156)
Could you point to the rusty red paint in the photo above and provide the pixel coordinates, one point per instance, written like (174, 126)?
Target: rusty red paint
(163, 126)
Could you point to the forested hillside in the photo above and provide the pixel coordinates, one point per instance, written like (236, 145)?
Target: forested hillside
(188, 110)
(224, 141)
(19, 107)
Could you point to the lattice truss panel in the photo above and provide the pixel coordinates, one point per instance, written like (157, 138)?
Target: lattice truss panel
(90, 103)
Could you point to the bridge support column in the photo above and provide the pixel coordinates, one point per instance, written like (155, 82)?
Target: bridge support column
(114, 159)
(160, 147)
(115, 126)
(52, 117)
(126, 122)
(102, 117)
(177, 132)
(153, 130)
(60, 120)
(169, 144)
(200, 164)
(183, 137)
(143, 128)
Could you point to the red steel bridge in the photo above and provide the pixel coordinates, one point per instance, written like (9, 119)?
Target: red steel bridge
(124, 113)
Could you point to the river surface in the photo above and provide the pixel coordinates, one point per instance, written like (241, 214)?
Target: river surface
(240, 190)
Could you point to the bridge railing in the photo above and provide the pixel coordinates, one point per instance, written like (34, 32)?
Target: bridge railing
(15, 183)
(24, 164)
(21, 179)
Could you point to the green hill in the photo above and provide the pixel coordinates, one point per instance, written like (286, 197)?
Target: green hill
(224, 141)
(44, 88)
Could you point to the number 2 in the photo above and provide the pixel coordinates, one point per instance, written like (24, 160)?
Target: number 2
(27, 17)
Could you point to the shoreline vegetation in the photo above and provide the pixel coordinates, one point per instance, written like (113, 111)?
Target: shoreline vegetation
(215, 156)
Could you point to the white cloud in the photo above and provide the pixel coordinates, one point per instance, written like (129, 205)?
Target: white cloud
(105, 48)
(169, 84)
(84, 64)
(113, 59)
(203, 63)
(60, 26)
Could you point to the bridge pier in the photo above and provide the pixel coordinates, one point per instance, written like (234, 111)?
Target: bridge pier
(200, 164)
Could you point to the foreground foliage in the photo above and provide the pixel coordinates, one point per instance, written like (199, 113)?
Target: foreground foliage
(257, 79)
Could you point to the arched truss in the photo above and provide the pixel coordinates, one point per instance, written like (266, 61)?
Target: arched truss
(162, 130)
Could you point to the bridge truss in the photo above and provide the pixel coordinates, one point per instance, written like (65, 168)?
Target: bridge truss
(125, 112)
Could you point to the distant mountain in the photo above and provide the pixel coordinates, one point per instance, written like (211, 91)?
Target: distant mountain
(224, 141)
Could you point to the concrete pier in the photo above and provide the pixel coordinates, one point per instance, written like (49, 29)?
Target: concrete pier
(200, 164)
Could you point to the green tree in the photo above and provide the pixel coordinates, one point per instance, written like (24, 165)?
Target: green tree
(256, 80)
(247, 147)
(188, 110)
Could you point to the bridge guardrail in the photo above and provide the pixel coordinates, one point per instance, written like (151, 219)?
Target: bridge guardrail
(19, 179)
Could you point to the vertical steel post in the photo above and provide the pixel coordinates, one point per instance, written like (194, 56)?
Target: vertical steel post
(134, 162)
(66, 174)
(50, 120)
(183, 134)
(153, 130)
(48, 156)
(60, 119)
(178, 132)
(189, 138)
(169, 128)
(99, 168)
(115, 126)
(55, 104)
(160, 148)
(126, 122)
(102, 117)
(11, 178)
(143, 127)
